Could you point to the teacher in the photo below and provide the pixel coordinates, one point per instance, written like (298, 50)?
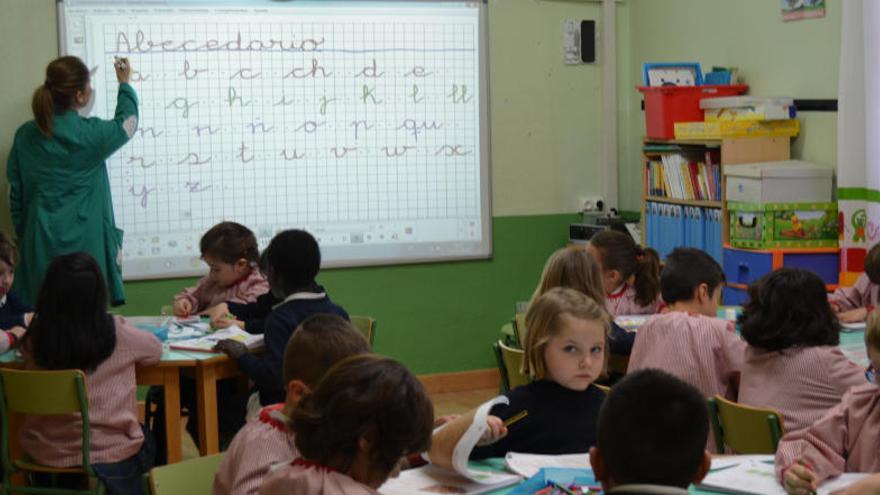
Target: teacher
(59, 193)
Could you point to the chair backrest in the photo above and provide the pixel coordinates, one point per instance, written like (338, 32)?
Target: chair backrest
(366, 325)
(509, 336)
(193, 476)
(513, 360)
(745, 429)
(39, 392)
(519, 324)
(59, 392)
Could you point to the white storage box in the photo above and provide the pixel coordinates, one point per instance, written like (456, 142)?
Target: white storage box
(791, 181)
(747, 108)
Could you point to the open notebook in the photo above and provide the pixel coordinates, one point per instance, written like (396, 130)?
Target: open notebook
(756, 475)
(207, 342)
(461, 478)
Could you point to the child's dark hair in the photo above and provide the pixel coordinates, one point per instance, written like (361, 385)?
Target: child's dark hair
(8, 250)
(618, 251)
(652, 429)
(293, 259)
(872, 331)
(685, 270)
(872, 264)
(317, 344)
(71, 327)
(230, 242)
(65, 77)
(364, 396)
(789, 308)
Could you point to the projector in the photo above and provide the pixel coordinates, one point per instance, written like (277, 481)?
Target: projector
(594, 222)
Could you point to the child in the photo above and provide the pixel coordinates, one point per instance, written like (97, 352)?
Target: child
(248, 316)
(575, 268)
(293, 259)
(688, 341)
(320, 342)
(364, 415)
(14, 313)
(792, 363)
(652, 436)
(623, 261)
(845, 439)
(854, 303)
(564, 354)
(71, 329)
(230, 250)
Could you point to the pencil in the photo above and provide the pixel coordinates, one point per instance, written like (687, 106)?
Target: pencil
(565, 490)
(516, 417)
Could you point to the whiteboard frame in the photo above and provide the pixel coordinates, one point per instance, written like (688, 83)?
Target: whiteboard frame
(486, 217)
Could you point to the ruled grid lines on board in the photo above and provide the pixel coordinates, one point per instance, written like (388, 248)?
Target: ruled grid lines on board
(296, 123)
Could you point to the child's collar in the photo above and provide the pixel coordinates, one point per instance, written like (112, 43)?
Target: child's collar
(299, 461)
(301, 296)
(272, 416)
(618, 292)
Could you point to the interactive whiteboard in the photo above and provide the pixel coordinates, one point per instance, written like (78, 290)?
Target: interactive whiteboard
(365, 123)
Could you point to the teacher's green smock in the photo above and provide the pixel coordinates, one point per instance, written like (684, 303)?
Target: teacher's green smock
(59, 193)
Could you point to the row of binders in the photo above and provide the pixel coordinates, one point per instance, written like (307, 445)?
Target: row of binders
(671, 226)
(676, 177)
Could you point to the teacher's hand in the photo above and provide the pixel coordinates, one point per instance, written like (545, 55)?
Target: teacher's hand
(123, 70)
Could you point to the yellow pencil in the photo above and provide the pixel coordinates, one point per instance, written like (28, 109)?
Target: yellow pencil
(516, 417)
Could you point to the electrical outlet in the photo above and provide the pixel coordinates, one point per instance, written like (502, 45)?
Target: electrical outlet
(592, 204)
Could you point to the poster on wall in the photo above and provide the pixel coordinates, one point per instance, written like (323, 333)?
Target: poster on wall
(795, 10)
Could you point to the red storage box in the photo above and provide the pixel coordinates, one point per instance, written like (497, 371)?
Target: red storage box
(666, 105)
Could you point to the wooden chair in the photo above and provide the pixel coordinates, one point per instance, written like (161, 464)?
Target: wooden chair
(508, 335)
(519, 324)
(193, 476)
(512, 360)
(745, 429)
(366, 325)
(44, 393)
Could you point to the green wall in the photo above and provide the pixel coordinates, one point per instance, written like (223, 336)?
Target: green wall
(797, 59)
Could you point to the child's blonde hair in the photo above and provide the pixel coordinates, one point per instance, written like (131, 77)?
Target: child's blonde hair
(872, 330)
(575, 268)
(543, 322)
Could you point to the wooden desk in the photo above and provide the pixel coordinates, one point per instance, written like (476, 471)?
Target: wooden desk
(207, 371)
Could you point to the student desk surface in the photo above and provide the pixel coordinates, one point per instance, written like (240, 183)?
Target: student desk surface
(497, 464)
(206, 367)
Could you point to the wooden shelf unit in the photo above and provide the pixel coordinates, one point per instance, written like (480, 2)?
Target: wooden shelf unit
(734, 151)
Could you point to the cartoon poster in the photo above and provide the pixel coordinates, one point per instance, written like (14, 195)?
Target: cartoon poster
(795, 10)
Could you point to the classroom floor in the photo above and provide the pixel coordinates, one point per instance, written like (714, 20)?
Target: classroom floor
(444, 404)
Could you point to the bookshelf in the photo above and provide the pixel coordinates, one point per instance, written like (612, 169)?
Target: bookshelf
(729, 151)
(688, 202)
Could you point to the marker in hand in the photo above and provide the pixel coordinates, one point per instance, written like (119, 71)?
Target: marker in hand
(119, 63)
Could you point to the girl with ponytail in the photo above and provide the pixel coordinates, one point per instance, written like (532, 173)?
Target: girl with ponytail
(59, 192)
(630, 274)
